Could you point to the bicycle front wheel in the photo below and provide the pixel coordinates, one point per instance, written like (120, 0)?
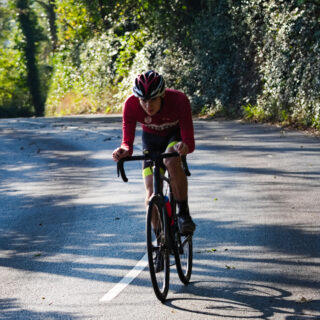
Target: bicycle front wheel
(183, 256)
(158, 252)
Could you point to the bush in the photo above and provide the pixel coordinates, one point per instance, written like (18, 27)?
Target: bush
(286, 38)
(83, 81)
(256, 58)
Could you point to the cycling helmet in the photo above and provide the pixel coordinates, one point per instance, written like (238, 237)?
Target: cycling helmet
(148, 85)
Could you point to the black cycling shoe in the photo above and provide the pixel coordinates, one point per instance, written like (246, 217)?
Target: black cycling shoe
(158, 263)
(186, 225)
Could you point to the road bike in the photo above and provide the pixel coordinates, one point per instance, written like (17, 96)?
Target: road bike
(162, 231)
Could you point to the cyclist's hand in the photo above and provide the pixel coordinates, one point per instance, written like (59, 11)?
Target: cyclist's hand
(182, 148)
(119, 153)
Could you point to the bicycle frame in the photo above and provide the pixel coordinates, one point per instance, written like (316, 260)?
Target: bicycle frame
(173, 242)
(156, 159)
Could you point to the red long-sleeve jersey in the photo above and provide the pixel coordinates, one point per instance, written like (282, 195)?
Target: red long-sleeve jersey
(174, 113)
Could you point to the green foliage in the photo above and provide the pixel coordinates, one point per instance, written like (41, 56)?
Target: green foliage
(130, 44)
(74, 27)
(253, 58)
(89, 78)
(15, 99)
(251, 112)
(94, 68)
(213, 56)
(287, 54)
(223, 54)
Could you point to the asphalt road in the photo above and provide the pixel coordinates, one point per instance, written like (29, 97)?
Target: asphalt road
(70, 230)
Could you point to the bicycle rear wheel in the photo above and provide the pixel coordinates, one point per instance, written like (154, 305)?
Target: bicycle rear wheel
(157, 247)
(183, 256)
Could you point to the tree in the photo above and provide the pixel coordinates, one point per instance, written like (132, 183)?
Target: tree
(50, 10)
(30, 30)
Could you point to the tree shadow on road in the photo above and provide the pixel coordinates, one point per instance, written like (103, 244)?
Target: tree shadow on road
(10, 309)
(60, 233)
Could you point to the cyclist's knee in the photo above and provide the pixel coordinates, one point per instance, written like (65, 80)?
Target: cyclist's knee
(149, 193)
(172, 163)
(148, 182)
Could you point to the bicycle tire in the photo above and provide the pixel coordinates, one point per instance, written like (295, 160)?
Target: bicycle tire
(183, 251)
(184, 256)
(183, 248)
(158, 244)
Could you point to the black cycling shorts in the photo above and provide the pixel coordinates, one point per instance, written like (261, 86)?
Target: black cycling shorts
(155, 143)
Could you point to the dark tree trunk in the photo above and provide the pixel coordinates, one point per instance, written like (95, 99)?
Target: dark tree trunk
(28, 28)
(52, 23)
(49, 8)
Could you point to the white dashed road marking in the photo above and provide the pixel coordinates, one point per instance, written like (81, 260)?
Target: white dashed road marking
(126, 280)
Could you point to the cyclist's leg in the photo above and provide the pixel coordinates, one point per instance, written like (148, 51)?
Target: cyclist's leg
(179, 180)
(147, 143)
(148, 183)
(179, 185)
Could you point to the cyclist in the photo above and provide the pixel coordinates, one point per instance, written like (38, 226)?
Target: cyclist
(165, 115)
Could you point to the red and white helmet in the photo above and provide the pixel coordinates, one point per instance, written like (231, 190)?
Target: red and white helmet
(148, 85)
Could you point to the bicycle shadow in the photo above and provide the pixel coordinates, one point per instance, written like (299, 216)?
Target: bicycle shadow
(250, 284)
(236, 300)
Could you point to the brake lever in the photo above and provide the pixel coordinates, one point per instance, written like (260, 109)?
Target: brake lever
(120, 170)
(185, 166)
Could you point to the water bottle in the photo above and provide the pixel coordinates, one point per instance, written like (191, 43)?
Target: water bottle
(169, 211)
